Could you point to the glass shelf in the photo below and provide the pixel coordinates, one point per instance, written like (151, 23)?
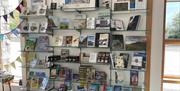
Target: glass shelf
(94, 63)
(129, 31)
(36, 33)
(37, 51)
(64, 46)
(127, 69)
(34, 67)
(127, 84)
(24, 16)
(129, 50)
(130, 11)
(59, 62)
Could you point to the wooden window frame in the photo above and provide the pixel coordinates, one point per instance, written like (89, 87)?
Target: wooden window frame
(176, 79)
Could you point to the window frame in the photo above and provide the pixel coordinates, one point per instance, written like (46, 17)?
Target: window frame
(168, 78)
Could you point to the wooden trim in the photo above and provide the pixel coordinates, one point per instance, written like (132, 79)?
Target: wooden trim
(163, 51)
(149, 34)
(172, 42)
(172, 77)
(171, 81)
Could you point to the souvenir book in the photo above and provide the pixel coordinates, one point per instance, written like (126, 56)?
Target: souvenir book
(57, 41)
(102, 23)
(117, 42)
(83, 41)
(42, 43)
(93, 58)
(33, 27)
(133, 23)
(90, 23)
(120, 5)
(102, 39)
(91, 41)
(75, 41)
(68, 40)
(134, 77)
(117, 25)
(30, 44)
(43, 27)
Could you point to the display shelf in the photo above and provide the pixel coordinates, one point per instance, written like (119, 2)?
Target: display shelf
(127, 84)
(63, 46)
(128, 69)
(63, 62)
(38, 51)
(36, 33)
(27, 16)
(129, 31)
(34, 67)
(105, 64)
(130, 11)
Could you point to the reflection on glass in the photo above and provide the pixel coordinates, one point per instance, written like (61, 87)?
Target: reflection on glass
(173, 20)
(171, 87)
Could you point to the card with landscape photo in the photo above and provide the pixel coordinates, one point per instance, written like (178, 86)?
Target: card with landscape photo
(117, 42)
(64, 23)
(137, 43)
(91, 41)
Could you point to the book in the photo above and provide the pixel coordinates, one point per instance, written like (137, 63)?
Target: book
(117, 88)
(117, 25)
(44, 83)
(133, 22)
(135, 43)
(102, 23)
(90, 23)
(57, 40)
(125, 59)
(53, 73)
(143, 55)
(75, 77)
(141, 4)
(75, 41)
(120, 5)
(93, 58)
(30, 44)
(91, 41)
(119, 62)
(68, 40)
(102, 40)
(136, 62)
(43, 27)
(64, 54)
(83, 41)
(94, 87)
(34, 82)
(117, 42)
(33, 27)
(134, 78)
(132, 4)
(42, 10)
(53, 6)
(64, 23)
(42, 43)
(100, 76)
(25, 26)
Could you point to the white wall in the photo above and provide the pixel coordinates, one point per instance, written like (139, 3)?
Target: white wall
(156, 45)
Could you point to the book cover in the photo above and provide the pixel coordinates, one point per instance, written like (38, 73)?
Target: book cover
(62, 73)
(132, 4)
(91, 41)
(134, 78)
(143, 55)
(117, 25)
(100, 76)
(53, 6)
(42, 43)
(117, 42)
(135, 43)
(34, 83)
(64, 54)
(79, 24)
(33, 27)
(117, 88)
(90, 23)
(120, 5)
(102, 40)
(42, 10)
(141, 4)
(94, 87)
(102, 23)
(75, 41)
(93, 58)
(83, 41)
(119, 62)
(75, 77)
(43, 27)
(25, 26)
(53, 73)
(68, 40)
(64, 23)
(125, 59)
(133, 23)
(137, 62)
(30, 44)
(57, 40)
(44, 83)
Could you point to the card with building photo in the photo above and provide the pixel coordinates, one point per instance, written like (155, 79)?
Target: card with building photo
(117, 42)
(137, 43)
(102, 40)
(117, 25)
(33, 27)
(90, 24)
(103, 23)
(43, 27)
(68, 40)
(91, 41)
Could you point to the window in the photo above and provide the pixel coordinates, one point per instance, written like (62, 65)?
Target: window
(10, 45)
(171, 72)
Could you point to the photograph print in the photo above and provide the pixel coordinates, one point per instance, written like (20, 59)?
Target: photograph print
(137, 43)
(117, 42)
